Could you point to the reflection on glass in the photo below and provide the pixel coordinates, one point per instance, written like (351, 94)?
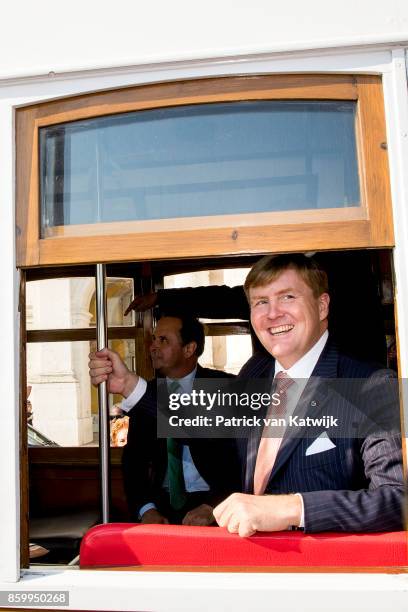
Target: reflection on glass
(119, 293)
(69, 303)
(206, 159)
(61, 392)
(64, 405)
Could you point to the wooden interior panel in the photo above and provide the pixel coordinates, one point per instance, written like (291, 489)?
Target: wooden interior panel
(78, 334)
(67, 479)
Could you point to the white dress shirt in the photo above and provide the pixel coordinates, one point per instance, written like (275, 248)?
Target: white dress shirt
(192, 479)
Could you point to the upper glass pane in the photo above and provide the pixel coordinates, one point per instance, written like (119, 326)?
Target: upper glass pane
(199, 160)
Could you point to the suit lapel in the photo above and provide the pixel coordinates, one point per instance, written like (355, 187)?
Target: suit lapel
(327, 365)
(312, 403)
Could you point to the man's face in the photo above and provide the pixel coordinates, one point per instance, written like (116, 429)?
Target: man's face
(166, 350)
(287, 318)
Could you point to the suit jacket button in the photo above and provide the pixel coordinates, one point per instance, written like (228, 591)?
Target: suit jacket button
(313, 403)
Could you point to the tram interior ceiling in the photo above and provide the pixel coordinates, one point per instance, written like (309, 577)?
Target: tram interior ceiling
(63, 465)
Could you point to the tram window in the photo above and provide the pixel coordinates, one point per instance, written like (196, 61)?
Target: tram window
(199, 160)
(249, 161)
(61, 394)
(60, 319)
(281, 194)
(343, 267)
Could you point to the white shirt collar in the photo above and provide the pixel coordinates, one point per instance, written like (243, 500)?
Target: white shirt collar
(186, 383)
(304, 367)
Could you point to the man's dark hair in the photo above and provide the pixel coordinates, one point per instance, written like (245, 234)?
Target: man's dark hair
(192, 331)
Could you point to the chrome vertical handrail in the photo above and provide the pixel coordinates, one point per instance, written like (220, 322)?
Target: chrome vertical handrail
(103, 404)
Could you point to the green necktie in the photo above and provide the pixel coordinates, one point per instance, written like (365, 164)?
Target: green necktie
(177, 488)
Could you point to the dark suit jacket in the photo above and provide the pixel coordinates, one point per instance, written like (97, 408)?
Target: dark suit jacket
(356, 486)
(145, 456)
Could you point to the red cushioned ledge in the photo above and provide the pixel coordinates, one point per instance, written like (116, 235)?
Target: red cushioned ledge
(127, 544)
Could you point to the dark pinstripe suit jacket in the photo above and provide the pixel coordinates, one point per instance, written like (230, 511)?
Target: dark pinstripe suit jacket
(356, 486)
(145, 456)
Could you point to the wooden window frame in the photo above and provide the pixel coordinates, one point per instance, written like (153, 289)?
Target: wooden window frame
(369, 225)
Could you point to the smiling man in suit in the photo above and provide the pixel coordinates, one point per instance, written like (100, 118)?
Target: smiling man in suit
(313, 482)
(168, 481)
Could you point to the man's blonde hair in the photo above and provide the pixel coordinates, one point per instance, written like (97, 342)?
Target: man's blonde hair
(267, 269)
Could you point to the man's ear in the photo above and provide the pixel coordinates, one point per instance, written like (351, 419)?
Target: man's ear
(324, 301)
(189, 349)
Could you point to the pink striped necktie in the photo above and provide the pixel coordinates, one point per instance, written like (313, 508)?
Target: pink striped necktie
(269, 447)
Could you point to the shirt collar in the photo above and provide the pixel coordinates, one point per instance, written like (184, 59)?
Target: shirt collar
(304, 367)
(186, 382)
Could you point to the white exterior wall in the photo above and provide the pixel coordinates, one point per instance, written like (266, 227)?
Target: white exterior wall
(105, 45)
(38, 38)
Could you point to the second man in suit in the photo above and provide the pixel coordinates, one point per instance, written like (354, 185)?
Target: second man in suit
(167, 481)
